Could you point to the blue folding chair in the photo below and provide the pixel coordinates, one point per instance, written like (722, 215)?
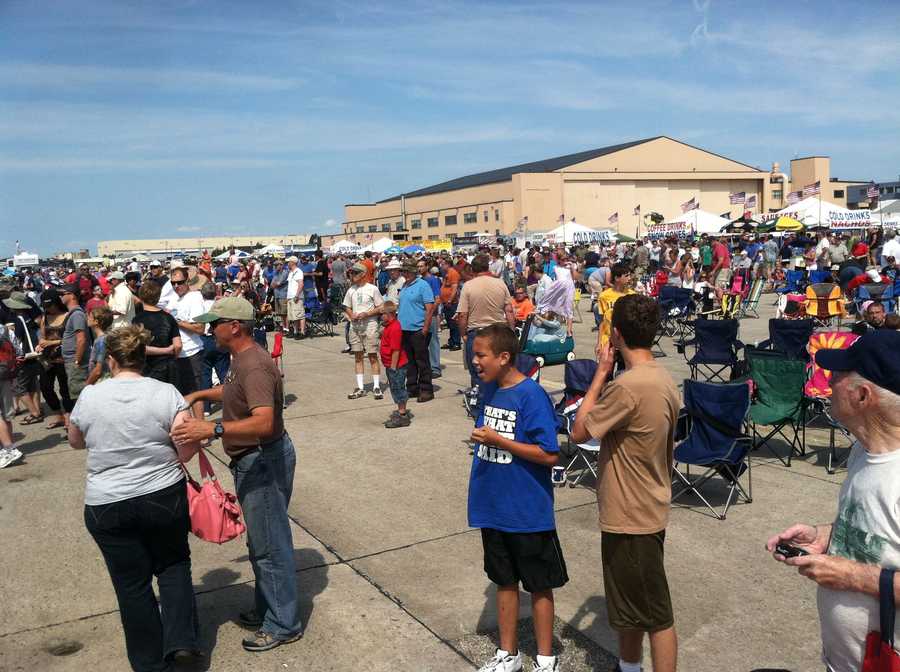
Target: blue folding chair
(819, 276)
(794, 283)
(676, 306)
(579, 374)
(715, 348)
(875, 291)
(714, 440)
(789, 337)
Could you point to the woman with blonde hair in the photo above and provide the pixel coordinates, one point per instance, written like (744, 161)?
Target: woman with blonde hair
(135, 501)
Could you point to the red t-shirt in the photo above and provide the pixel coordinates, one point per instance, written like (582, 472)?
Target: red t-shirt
(391, 340)
(721, 252)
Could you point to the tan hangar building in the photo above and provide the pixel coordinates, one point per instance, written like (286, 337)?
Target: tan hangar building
(659, 174)
(168, 246)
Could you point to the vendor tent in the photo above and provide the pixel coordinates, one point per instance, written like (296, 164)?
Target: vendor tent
(345, 247)
(813, 212)
(694, 222)
(379, 245)
(271, 249)
(227, 254)
(574, 233)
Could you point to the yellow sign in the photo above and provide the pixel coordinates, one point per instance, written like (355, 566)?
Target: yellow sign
(444, 245)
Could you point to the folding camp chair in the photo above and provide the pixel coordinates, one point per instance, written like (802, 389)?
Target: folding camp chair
(750, 305)
(715, 440)
(816, 277)
(794, 282)
(277, 355)
(676, 305)
(789, 337)
(779, 402)
(576, 308)
(577, 379)
(715, 348)
(882, 292)
(824, 303)
(320, 319)
(818, 387)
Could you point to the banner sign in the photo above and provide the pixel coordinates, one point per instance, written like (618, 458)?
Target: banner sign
(590, 237)
(443, 245)
(849, 219)
(666, 229)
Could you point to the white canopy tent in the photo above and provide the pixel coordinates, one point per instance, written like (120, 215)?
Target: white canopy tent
(696, 222)
(271, 249)
(812, 212)
(573, 233)
(345, 247)
(227, 254)
(378, 246)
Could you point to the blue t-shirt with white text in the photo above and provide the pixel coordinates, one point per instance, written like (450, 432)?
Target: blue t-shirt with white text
(506, 492)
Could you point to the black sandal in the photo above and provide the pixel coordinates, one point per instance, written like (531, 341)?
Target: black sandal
(31, 419)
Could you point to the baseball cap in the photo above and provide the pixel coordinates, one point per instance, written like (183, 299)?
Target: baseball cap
(117, 275)
(358, 268)
(176, 263)
(873, 356)
(410, 267)
(394, 265)
(68, 289)
(229, 308)
(16, 301)
(294, 259)
(155, 262)
(860, 250)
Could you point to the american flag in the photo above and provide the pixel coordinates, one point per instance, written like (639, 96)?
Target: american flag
(794, 197)
(812, 189)
(562, 218)
(726, 215)
(637, 210)
(692, 204)
(751, 201)
(613, 218)
(737, 198)
(872, 191)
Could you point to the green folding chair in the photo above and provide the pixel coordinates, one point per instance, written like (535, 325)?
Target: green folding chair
(750, 306)
(780, 403)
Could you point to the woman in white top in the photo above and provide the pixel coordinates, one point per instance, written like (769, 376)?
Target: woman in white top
(136, 501)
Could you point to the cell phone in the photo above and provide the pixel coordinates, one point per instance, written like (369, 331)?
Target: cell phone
(790, 551)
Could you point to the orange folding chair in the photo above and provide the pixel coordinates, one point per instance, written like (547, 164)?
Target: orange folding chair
(276, 353)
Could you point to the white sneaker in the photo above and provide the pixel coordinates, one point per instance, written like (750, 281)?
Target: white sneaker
(503, 662)
(9, 455)
(549, 667)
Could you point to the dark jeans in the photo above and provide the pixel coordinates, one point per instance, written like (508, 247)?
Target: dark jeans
(190, 373)
(264, 480)
(140, 538)
(470, 343)
(213, 358)
(57, 373)
(454, 340)
(418, 370)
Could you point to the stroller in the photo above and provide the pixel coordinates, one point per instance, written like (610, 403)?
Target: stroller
(546, 340)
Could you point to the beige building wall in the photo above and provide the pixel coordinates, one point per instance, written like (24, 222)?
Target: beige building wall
(106, 248)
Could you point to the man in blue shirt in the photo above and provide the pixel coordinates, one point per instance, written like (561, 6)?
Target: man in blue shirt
(309, 276)
(414, 313)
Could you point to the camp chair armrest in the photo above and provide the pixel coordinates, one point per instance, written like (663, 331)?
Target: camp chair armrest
(765, 345)
(682, 425)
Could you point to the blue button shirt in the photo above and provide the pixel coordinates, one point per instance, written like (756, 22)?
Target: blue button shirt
(413, 299)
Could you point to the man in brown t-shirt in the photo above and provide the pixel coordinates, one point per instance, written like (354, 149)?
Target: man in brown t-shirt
(483, 301)
(262, 462)
(633, 417)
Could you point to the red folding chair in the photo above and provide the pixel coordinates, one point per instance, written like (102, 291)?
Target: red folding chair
(277, 352)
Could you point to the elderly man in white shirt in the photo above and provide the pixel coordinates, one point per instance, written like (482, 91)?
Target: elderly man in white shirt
(121, 301)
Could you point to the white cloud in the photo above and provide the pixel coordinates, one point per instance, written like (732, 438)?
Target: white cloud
(187, 229)
(330, 223)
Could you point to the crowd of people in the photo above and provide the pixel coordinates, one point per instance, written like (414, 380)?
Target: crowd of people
(130, 361)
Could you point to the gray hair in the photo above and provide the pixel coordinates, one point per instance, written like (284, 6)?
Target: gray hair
(888, 402)
(208, 291)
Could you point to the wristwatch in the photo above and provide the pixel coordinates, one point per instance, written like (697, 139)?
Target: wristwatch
(219, 430)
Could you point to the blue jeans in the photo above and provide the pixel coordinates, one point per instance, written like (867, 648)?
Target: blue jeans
(434, 347)
(470, 343)
(142, 537)
(397, 381)
(264, 480)
(213, 358)
(449, 313)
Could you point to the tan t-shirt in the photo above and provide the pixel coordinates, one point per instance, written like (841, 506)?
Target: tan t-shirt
(484, 299)
(635, 420)
(252, 381)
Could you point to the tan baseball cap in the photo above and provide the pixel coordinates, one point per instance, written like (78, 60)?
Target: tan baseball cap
(229, 308)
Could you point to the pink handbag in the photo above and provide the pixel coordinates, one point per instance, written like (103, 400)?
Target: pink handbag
(215, 514)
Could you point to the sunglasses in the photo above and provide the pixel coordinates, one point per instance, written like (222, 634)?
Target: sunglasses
(176, 283)
(216, 323)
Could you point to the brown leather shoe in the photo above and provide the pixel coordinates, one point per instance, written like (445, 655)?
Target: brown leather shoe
(425, 396)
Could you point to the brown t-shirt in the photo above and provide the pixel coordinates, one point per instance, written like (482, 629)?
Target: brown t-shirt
(252, 381)
(635, 420)
(484, 298)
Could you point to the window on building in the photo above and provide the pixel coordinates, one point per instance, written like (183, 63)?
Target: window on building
(373, 228)
(451, 236)
(470, 218)
(432, 222)
(485, 215)
(399, 226)
(434, 237)
(838, 193)
(889, 190)
(416, 224)
(449, 220)
(497, 215)
(777, 194)
(386, 226)
(417, 237)
(360, 228)
(470, 233)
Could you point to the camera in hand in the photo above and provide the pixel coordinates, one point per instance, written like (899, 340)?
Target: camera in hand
(790, 551)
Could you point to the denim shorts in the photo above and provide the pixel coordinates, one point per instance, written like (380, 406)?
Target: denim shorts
(397, 381)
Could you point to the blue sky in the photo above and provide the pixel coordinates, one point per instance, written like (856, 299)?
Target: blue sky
(123, 119)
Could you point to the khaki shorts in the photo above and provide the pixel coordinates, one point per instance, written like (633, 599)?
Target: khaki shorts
(279, 307)
(365, 340)
(295, 310)
(723, 278)
(637, 592)
(77, 376)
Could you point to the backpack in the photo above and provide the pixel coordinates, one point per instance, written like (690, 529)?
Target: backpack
(8, 360)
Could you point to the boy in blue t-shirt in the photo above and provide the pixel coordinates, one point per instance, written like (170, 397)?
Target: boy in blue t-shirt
(511, 495)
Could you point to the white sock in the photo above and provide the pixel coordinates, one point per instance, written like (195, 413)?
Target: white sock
(629, 667)
(359, 381)
(376, 380)
(545, 660)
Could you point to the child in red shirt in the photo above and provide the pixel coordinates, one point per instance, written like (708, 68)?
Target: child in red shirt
(394, 359)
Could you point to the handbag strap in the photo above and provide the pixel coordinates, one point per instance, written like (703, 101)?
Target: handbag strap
(206, 470)
(886, 605)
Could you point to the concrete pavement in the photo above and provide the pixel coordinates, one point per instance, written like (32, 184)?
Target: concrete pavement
(390, 575)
